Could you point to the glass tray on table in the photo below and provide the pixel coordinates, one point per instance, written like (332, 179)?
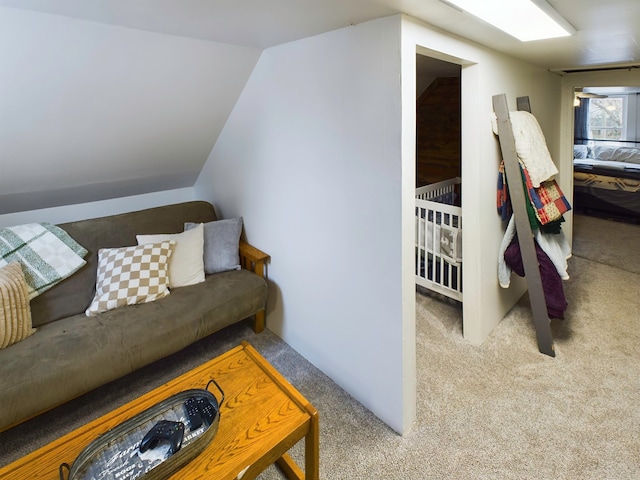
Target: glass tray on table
(116, 454)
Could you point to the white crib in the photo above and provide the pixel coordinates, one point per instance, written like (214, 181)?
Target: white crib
(439, 238)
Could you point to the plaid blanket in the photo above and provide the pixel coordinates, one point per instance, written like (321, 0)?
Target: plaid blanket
(547, 201)
(47, 253)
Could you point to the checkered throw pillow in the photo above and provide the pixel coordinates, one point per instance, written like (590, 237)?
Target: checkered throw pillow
(131, 275)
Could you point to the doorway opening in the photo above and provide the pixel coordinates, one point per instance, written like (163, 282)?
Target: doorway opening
(438, 263)
(606, 152)
(438, 120)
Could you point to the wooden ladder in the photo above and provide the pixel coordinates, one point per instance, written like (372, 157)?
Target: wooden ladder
(523, 227)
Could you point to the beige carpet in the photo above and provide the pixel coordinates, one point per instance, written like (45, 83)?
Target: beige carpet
(504, 411)
(498, 411)
(607, 241)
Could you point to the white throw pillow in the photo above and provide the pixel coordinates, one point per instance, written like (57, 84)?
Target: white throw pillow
(186, 265)
(131, 275)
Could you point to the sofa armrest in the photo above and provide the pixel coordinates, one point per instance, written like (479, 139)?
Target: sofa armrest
(253, 259)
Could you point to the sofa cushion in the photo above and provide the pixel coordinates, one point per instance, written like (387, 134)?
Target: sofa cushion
(186, 265)
(15, 314)
(75, 294)
(131, 275)
(43, 370)
(221, 241)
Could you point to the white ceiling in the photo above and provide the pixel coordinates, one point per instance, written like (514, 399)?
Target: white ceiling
(608, 32)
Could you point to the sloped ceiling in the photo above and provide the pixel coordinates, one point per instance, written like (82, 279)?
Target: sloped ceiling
(253, 23)
(428, 69)
(91, 111)
(109, 98)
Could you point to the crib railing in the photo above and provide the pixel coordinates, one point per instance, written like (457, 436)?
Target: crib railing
(442, 192)
(438, 239)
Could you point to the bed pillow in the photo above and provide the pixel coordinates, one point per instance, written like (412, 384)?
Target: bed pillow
(616, 154)
(186, 265)
(15, 313)
(580, 151)
(131, 275)
(46, 252)
(221, 241)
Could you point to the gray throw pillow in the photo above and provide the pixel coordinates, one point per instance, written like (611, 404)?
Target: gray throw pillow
(221, 240)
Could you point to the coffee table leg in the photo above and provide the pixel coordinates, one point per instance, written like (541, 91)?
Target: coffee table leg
(312, 447)
(291, 469)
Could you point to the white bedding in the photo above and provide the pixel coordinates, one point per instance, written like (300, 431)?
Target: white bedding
(615, 159)
(616, 154)
(613, 165)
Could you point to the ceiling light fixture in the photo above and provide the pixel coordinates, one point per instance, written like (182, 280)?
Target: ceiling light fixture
(524, 19)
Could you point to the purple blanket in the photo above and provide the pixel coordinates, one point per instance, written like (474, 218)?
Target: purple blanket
(551, 281)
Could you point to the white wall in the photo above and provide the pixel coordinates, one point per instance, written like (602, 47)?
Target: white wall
(485, 73)
(319, 158)
(92, 111)
(310, 157)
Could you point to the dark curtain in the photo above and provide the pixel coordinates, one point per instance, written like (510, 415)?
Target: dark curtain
(580, 123)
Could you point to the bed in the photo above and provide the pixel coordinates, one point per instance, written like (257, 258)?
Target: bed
(438, 241)
(607, 181)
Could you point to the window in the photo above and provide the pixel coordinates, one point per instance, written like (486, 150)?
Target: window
(606, 119)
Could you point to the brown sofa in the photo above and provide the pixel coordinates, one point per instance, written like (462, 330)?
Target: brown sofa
(71, 353)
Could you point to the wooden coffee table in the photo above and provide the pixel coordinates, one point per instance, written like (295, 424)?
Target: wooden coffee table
(262, 417)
